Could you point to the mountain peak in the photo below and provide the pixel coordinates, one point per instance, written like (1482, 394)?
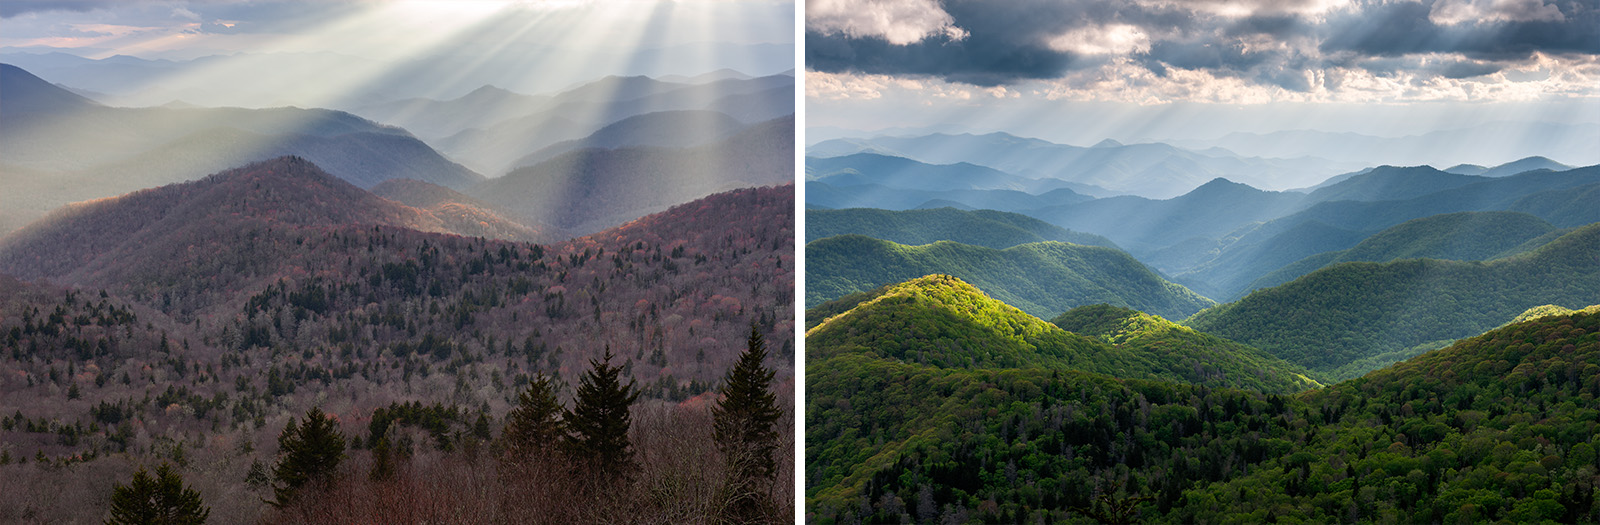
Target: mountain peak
(22, 92)
(1107, 143)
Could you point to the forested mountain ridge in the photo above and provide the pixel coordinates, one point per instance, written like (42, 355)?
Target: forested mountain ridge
(262, 309)
(943, 322)
(1042, 278)
(1353, 310)
(1487, 429)
(1461, 236)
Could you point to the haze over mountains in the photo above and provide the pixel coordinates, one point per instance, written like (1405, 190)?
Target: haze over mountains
(1478, 230)
(654, 146)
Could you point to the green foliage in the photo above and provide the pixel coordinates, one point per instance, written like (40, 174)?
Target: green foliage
(943, 322)
(308, 453)
(534, 427)
(988, 228)
(1351, 311)
(162, 500)
(599, 420)
(1501, 426)
(1043, 279)
(1194, 357)
(1463, 236)
(744, 428)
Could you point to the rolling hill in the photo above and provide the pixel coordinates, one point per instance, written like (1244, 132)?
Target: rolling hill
(1349, 311)
(1043, 278)
(1462, 236)
(989, 228)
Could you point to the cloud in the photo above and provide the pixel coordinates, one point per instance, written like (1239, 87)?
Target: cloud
(1297, 46)
(899, 22)
(1451, 12)
(10, 8)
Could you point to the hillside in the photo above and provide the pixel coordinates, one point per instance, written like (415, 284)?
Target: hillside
(989, 228)
(1353, 310)
(1462, 236)
(940, 321)
(464, 215)
(1483, 430)
(1390, 183)
(1043, 278)
(587, 190)
(1192, 356)
(1566, 207)
(241, 307)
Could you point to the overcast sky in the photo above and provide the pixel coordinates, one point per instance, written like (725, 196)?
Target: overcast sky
(1200, 68)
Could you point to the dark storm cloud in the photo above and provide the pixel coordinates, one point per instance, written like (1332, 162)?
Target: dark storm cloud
(1406, 28)
(1008, 42)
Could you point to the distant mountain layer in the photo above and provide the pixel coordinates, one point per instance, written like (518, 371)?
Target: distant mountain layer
(1043, 279)
(496, 131)
(990, 228)
(898, 172)
(64, 149)
(1486, 144)
(588, 190)
(819, 194)
(1143, 225)
(674, 129)
(1156, 171)
(1349, 311)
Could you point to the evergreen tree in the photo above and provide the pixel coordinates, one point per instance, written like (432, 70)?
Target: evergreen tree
(745, 421)
(534, 426)
(160, 500)
(599, 420)
(382, 461)
(308, 452)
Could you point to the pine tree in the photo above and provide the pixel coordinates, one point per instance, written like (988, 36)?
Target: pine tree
(308, 452)
(745, 421)
(534, 426)
(599, 420)
(160, 500)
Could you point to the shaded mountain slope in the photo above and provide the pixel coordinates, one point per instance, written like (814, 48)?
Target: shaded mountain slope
(1462, 236)
(671, 129)
(1043, 278)
(588, 190)
(884, 197)
(1142, 225)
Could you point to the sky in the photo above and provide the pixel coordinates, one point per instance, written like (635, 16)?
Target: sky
(523, 45)
(1079, 71)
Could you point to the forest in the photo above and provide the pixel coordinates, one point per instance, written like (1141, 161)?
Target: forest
(132, 362)
(1500, 426)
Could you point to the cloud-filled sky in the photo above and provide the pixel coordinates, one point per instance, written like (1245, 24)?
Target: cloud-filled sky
(1451, 54)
